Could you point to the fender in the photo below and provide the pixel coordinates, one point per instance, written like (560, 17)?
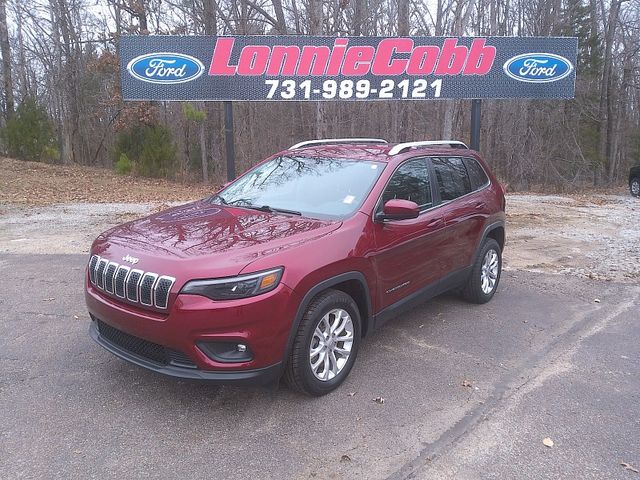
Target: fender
(485, 234)
(320, 287)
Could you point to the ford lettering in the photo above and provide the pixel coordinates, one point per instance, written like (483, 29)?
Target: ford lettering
(165, 68)
(538, 67)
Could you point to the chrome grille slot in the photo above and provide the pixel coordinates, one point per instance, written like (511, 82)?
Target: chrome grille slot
(102, 264)
(132, 285)
(109, 273)
(120, 277)
(146, 288)
(92, 268)
(161, 291)
(136, 286)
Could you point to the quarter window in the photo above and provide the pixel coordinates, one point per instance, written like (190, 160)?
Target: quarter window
(477, 174)
(410, 182)
(453, 180)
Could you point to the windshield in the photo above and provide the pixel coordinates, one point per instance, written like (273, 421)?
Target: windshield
(314, 187)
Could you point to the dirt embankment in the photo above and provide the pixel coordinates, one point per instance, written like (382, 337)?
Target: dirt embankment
(54, 209)
(37, 184)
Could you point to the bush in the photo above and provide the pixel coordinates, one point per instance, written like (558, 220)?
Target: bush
(124, 166)
(146, 150)
(29, 135)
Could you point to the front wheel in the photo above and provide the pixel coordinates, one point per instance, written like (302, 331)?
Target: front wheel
(326, 344)
(485, 274)
(634, 187)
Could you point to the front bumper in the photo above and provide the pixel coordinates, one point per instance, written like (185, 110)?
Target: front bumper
(263, 323)
(259, 376)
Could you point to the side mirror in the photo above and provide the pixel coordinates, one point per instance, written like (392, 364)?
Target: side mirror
(397, 209)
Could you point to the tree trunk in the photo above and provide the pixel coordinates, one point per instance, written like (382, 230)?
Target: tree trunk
(281, 27)
(5, 49)
(605, 127)
(315, 26)
(402, 108)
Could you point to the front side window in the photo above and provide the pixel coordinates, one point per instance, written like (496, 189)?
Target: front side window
(453, 180)
(410, 182)
(314, 187)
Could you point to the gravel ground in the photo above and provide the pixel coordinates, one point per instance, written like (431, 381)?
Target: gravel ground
(595, 237)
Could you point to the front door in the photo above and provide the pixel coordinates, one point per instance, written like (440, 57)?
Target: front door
(406, 251)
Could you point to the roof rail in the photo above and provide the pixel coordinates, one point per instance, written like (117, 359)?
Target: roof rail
(401, 147)
(329, 141)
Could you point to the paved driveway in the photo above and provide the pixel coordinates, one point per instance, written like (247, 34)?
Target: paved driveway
(469, 392)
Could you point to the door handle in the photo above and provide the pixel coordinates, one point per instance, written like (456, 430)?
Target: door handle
(435, 222)
(480, 205)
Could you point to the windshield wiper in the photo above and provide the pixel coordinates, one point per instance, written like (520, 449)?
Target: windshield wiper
(268, 209)
(218, 197)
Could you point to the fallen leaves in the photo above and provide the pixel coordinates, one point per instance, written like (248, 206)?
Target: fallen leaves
(379, 400)
(548, 442)
(596, 300)
(345, 458)
(34, 183)
(467, 383)
(351, 394)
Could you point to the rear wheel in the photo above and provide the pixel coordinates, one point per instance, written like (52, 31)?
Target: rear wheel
(326, 344)
(634, 187)
(485, 275)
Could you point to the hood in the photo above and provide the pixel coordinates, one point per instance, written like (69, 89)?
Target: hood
(207, 239)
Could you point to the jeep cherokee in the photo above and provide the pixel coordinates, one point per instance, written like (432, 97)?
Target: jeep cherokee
(283, 271)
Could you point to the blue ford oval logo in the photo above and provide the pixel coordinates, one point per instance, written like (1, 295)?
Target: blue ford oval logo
(165, 68)
(538, 67)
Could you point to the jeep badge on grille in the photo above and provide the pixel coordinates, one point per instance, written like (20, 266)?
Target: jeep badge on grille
(130, 259)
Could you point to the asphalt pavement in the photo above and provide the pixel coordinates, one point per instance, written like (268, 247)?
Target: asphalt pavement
(464, 391)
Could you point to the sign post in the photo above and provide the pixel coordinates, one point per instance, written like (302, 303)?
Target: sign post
(228, 140)
(476, 105)
(313, 68)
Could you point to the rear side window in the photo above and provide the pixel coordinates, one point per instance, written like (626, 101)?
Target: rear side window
(410, 182)
(453, 180)
(477, 175)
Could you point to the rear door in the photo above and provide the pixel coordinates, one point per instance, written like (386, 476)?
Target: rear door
(406, 251)
(460, 182)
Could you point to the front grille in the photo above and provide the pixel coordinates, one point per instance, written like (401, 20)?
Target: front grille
(100, 266)
(120, 278)
(109, 272)
(146, 288)
(92, 268)
(143, 348)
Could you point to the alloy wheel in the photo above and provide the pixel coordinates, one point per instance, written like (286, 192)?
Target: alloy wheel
(331, 344)
(489, 273)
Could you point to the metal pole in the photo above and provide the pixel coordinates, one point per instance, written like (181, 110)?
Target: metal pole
(228, 139)
(475, 124)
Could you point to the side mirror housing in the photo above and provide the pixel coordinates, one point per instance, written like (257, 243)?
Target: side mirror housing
(397, 209)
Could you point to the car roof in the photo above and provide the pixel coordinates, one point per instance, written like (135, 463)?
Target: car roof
(374, 152)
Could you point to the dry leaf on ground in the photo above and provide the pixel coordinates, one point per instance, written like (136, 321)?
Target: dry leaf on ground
(548, 442)
(629, 467)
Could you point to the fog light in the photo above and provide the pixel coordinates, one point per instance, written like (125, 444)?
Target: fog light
(226, 352)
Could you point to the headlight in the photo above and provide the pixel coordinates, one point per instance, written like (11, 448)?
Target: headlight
(231, 288)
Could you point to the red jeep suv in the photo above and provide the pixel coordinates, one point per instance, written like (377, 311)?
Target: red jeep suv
(286, 269)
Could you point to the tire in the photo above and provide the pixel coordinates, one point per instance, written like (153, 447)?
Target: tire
(328, 308)
(634, 187)
(476, 290)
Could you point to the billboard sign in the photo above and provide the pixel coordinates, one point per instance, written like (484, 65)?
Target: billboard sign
(287, 68)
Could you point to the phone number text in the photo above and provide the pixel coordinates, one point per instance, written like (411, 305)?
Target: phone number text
(350, 89)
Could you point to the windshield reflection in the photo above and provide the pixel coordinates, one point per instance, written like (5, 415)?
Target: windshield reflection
(315, 187)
